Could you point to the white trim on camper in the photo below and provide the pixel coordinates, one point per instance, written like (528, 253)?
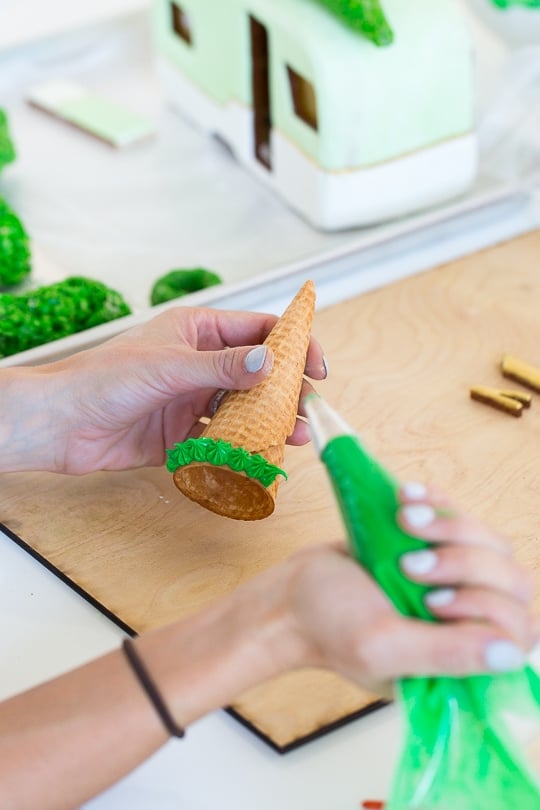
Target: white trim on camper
(333, 200)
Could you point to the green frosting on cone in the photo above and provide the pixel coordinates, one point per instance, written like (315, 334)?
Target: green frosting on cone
(223, 454)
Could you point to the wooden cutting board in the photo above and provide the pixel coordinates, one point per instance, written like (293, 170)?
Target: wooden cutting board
(401, 359)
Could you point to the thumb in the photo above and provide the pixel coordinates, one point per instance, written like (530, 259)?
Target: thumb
(237, 368)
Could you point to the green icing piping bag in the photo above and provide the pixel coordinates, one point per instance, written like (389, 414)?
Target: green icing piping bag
(459, 751)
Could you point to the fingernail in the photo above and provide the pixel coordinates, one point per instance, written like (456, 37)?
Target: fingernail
(414, 491)
(325, 366)
(440, 597)
(502, 655)
(418, 562)
(418, 515)
(255, 358)
(216, 402)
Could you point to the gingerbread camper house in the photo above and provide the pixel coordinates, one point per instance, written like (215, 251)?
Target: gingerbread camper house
(350, 125)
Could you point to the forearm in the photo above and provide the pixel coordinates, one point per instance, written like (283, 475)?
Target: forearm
(31, 423)
(85, 730)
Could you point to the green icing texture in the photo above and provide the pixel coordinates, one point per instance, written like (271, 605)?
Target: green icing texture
(14, 245)
(365, 16)
(182, 282)
(223, 454)
(55, 311)
(7, 149)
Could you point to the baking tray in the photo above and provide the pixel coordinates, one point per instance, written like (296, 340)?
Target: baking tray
(181, 200)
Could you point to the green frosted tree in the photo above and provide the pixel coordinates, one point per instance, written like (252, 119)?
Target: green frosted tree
(365, 16)
(15, 262)
(55, 311)
(7, 150)
(15, 255)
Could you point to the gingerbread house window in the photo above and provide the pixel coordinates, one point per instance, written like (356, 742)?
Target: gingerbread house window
(304, 98)
(181, 23)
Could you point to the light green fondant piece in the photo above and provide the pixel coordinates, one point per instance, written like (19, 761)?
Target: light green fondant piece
(373, 104)
(223, 454)
(107, 120)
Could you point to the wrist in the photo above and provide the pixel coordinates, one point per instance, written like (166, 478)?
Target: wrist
(207, 661)
(28, 427)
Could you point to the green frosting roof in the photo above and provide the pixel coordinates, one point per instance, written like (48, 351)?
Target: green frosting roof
(223, 454)
(508, 3)
(365, 16)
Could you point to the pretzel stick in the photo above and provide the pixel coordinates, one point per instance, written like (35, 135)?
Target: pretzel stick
(515, 369)
(493, 397)
(519, 396)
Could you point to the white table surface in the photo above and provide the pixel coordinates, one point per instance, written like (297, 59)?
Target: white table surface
(45, 628)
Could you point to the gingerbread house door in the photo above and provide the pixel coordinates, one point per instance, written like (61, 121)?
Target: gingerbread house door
(260, 83)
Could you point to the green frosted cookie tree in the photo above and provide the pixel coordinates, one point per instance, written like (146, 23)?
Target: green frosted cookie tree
(182, 282)
(7, 150)
(55, 311)
(14, 241)
(15, 262)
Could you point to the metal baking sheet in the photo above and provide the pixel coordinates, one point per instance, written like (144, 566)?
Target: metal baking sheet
(125, 217)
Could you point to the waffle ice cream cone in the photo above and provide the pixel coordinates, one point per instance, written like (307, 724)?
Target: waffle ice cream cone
(257, 421)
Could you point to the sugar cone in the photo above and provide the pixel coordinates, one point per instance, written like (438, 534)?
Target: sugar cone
(258, 420)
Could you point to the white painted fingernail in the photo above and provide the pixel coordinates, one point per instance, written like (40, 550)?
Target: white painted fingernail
(418, 515)
(418, 562)
(254, 359)
(440, 597)
(325, 366)
(502, 656)
(414, 490)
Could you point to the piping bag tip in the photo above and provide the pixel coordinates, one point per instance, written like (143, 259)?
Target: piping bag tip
(325, 423)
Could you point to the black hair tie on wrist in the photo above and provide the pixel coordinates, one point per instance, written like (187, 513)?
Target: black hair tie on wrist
(147, 683)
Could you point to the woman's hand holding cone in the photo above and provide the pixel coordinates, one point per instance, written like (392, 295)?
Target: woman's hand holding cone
(257, 422)
(120, 404)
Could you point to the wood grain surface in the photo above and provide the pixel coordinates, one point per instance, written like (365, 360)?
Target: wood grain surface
(401, 360)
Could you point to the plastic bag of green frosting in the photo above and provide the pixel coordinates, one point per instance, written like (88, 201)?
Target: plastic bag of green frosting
(466, 738)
